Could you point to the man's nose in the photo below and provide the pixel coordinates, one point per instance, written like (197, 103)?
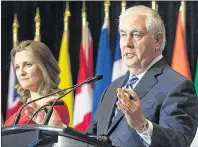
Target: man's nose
(129, 41)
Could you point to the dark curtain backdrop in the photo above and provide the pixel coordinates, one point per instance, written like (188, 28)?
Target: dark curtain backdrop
(52, 27)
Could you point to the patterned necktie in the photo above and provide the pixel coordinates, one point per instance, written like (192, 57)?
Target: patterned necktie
(129, 85)
(131, 82)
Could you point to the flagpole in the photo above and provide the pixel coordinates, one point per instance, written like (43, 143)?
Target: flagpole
(84, 21)
(106, 10)
(183, 16)
(15, 27)
(123, 5)
(154, 5)
(67, 14)
(37, 25)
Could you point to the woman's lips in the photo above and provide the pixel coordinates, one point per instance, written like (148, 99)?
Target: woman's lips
(24, 79)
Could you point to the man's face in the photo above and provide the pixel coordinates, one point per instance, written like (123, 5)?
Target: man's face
(137, 45)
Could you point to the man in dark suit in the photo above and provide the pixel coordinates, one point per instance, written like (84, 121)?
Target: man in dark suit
(151, 105)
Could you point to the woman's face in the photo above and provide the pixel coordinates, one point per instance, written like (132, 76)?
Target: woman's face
(27, 71)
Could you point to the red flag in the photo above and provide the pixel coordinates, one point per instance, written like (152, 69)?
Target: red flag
(83, 98)
(13, 103)
(180, 59)
(13, 98)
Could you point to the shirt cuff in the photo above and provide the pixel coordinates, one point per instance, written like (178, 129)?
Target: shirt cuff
(146, 134)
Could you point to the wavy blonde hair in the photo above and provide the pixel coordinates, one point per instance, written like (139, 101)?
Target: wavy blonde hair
(47, 64)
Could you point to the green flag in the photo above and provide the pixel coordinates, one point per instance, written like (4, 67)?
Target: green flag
(196, 78)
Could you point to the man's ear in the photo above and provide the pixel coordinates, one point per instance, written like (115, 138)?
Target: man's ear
(159, 37)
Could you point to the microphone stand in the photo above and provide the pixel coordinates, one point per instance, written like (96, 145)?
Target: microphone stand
(17, 117)
(88, 81)
(37, 113)
(48, 116)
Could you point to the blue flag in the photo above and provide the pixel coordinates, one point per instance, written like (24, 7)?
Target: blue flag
(103, 66)
(119, 68)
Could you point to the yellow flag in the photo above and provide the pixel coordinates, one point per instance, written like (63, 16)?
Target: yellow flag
(65, 74)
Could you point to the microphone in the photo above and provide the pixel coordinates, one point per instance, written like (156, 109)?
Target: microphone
(41, 108)
(88, 81)
(18, 115)
(45, 109)
(102, 138)
(95, 78)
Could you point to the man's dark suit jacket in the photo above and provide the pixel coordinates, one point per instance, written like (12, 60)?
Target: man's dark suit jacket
(168, 100)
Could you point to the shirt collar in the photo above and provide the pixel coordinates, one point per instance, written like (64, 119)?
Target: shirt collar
(147, 68)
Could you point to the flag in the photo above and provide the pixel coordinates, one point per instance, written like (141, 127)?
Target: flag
(119, 68)
(196, 78)
(103, 66)
(195, 141)
(179, 51)
(83, 97)
(13, 103)
(65, 74)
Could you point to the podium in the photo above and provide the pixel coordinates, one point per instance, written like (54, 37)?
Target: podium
(46, 136)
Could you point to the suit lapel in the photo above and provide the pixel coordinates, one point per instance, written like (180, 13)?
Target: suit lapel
(142, 88)
(115, 121)
(145, 84)
(149, 79)
(110, 111)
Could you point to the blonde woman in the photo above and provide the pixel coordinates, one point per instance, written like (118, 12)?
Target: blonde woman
(37, 72)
